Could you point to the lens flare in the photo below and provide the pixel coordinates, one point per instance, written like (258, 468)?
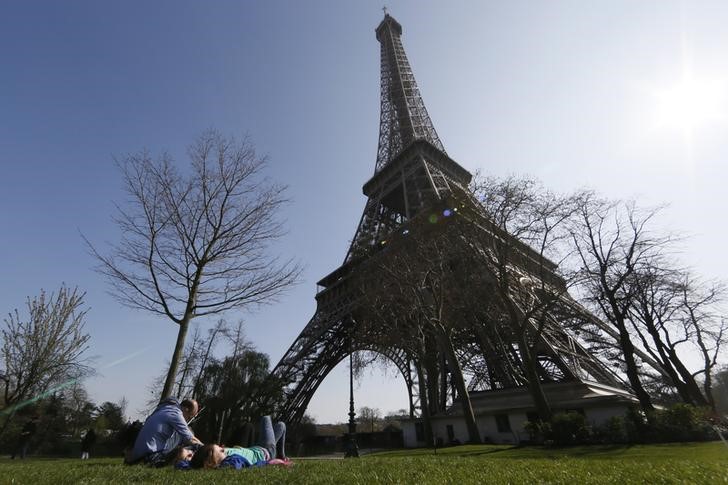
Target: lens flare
(433, 218)
(40, 396)
(66, 384)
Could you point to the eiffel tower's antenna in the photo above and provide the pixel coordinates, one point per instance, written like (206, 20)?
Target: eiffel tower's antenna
(403, 116)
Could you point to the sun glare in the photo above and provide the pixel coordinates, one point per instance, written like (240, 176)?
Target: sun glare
(691, 104)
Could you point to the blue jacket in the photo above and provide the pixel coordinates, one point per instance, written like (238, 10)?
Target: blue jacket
(235, 461)
(162, 431)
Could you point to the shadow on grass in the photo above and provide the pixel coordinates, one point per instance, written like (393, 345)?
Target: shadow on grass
(615, 451)
(483, 452)
(450, 451)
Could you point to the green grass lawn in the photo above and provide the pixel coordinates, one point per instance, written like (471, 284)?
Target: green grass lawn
(669, 463)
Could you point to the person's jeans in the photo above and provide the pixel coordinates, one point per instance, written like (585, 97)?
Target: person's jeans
(22, 448)
(273, 437)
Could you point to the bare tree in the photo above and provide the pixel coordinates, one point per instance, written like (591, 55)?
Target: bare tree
(413, 295)
(703, 320)
(720, 390)
(44, 350)
(517, 226)
(371, 416)
(235, 337)
(672, 314)
(476, 276)
(80, 408)
(614, 242)
(197, 243)
(197, 354)
(389, 300)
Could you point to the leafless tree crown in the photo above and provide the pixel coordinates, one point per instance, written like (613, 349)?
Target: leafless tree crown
(197, 244)
(45, 348)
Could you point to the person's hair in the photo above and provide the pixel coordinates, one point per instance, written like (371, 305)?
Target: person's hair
(201, 456)
(189, 404)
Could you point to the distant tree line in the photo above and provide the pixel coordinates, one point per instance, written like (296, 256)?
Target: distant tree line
(64, 417)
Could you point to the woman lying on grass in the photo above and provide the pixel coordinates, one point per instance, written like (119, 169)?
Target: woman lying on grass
(271, 451)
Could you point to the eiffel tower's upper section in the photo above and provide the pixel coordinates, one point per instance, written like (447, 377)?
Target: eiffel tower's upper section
(403, 117)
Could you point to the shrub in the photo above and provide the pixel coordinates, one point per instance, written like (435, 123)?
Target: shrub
(613, 430)
(569, 429)
(682, 422)
(636, 426)
(538, 431)
(679, 422)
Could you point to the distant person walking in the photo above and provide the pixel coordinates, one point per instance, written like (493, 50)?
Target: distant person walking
(26, 434)
(87, 443)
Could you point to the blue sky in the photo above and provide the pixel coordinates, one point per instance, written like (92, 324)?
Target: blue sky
(569, 92)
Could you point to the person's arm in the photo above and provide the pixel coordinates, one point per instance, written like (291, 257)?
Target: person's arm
(179, 425)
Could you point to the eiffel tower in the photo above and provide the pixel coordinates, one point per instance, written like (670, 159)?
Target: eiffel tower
(413, 174)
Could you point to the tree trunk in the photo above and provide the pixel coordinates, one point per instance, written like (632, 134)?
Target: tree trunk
(431, 374)
(632, 372)
(521, 325)
(534, 383)
(442, 379)
(424, 406)
(697, 397)
(203, 364)
(670, 363)
(222, 426)
(174, 365)
(457, 374)
(708, 388)
(8, 418)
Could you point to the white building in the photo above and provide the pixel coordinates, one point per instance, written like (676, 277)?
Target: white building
(501, 414)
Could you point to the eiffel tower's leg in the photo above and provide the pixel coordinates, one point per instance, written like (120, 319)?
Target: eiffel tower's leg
(501, 372)
(572, 355)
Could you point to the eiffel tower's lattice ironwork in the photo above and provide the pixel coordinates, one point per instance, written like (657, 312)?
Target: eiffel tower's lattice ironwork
(403, 116)
(413, 175)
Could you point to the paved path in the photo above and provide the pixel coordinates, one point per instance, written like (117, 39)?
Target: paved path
(339, 455)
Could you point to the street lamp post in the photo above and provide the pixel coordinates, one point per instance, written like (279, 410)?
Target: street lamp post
(352, 450)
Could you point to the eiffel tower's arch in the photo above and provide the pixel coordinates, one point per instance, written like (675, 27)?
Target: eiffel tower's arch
(308, 366)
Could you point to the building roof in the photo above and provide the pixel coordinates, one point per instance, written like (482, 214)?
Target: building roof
(561, 395)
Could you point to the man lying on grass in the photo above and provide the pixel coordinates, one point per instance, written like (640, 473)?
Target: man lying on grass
(270, 451)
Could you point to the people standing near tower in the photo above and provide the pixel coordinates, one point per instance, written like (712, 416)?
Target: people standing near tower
(87, 443)
(163, 432)
(26, 434)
